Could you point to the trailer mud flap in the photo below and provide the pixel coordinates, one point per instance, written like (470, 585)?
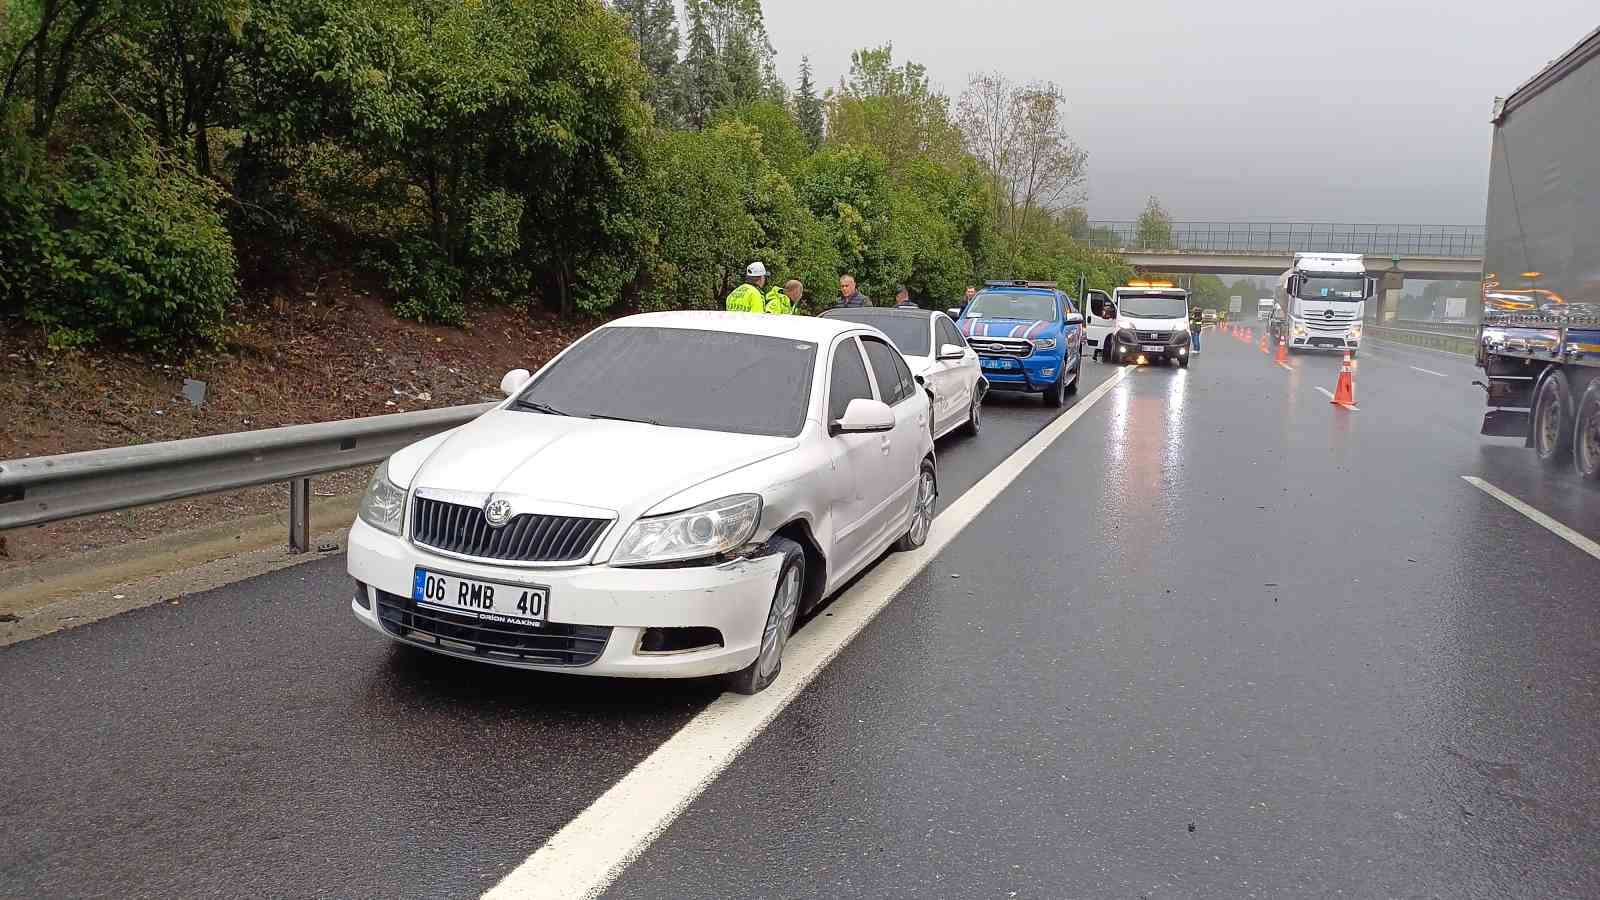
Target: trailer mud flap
(1505, 423)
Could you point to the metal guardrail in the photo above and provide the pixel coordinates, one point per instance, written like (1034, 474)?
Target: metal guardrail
(1456, 241)
(1468, 329)
(1435, 340)
(44, 489)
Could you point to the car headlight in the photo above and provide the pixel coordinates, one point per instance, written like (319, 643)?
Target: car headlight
(1046, 344)
(384, 505)
(708, 530)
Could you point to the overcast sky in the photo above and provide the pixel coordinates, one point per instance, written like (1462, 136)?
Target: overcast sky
(1235, 110)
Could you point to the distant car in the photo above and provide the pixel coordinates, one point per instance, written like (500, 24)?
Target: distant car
(662, 500)
(1029, 337)
(939, 358)
(1208, 316)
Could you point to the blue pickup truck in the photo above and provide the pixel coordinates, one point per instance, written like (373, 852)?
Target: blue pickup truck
(1029, 337)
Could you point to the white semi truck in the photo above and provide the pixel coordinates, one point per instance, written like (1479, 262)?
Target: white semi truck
(1320, 302)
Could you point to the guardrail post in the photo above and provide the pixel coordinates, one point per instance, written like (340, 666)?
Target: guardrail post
(300, 515)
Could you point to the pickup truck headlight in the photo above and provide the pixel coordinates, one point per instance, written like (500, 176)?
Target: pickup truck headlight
(1045, 344)
(708, 530)
(384, 505)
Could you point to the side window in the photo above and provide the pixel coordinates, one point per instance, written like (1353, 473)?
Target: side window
(1068, 306)
(950, 334)
(848, 381)
(1101, 304)
(894, 379)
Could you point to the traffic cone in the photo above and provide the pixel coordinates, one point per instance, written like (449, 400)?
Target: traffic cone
(1345, 393)
(1283, 353)
(1263, 343)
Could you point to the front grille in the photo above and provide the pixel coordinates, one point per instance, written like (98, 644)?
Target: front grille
(463, 530)
(551, 644)
(1016, 348)
(1155, 337)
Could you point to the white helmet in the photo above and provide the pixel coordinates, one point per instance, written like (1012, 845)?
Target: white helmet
(756, 270)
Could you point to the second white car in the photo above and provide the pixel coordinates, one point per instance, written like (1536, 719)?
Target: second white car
(939, 357)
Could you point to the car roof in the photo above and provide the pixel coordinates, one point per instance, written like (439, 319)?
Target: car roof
(887, 312)
(805, 328)
(1018, 289)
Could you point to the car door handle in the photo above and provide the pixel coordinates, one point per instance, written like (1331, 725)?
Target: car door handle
(884, 447)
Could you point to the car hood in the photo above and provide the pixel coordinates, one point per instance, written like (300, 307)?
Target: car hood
(1158, 324)
(1008, 328)
(624, 467)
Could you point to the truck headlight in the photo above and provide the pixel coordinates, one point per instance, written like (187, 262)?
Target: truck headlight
(384, 504)
(1124, 324)
(1045, 344)
(707, 530)
(1355, 330)
(1298, 329)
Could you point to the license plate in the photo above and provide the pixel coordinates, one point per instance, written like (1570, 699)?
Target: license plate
(999, 364)
(515, 603)
(1151, 348)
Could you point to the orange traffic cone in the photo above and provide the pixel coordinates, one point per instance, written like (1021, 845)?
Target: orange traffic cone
(1263, 343)
(1283, 353)
(1345, 393)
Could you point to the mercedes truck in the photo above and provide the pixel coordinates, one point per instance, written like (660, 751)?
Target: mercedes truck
(1320, 302)
(1539, 337)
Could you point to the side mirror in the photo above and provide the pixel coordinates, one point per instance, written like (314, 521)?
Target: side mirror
(514, 381)
(865, 416)
(951, 352)
(953, 312)
(1073, 319)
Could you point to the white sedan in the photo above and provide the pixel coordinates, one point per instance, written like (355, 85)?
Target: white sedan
(663, 499)
(939, 357)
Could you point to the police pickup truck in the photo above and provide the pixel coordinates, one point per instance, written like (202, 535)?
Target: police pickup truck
(1029, 338)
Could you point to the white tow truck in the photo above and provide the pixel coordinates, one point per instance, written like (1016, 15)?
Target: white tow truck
(1320, 302)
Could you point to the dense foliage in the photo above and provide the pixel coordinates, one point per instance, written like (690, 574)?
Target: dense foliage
(561, 153)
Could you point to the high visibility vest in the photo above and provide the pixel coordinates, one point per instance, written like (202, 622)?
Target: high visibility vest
(746, 298)
(778, 303)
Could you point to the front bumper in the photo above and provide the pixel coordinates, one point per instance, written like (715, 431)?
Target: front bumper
(1127, 346)
(1337, 343)
(595, 607)
(1034, 374)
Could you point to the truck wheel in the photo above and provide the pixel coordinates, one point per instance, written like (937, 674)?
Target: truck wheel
(1106, 356)
(1077, 377)
(1056, 394)
(1552, 419)
(1586, 436)
(754, 678)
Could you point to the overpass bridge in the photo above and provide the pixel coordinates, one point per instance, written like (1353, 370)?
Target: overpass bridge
(1395, 252)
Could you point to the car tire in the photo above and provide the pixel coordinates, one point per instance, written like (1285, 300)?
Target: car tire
(1077, 378)
(781, 615)
(1106, 356)
(1552, 419)
(921, 510)
(1586, 434)
(1056, 394)
(974, 413)
(1183, 362)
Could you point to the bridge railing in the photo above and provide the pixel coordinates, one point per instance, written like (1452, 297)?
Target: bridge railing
(1459, 241)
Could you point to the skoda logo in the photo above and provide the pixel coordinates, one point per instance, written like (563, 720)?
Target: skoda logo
(498, 512)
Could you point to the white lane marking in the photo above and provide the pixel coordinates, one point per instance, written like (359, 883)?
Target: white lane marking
(1430, 372)
(590, 851)
(1286, 367)
(1556, 528)
(1329, 394)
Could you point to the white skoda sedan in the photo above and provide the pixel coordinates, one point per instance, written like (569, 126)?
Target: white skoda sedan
(663, 499)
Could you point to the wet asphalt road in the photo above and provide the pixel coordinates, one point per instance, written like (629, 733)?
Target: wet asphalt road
(257, 741)
(1216, 602)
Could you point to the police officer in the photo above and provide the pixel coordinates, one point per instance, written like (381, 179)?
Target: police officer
(747, 297)
(786, 301)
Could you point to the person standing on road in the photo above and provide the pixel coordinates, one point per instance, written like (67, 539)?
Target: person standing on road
(747, 297)
(785, 302)
(1195, 327)
(849, 297)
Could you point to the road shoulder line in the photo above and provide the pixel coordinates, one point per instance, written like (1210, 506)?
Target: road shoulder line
(592, 849)
(1559, 530)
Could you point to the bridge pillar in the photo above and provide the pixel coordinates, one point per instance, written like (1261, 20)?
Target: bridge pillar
(1386, 305)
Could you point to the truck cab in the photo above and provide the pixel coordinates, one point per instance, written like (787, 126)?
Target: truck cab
(1321, 301)
(1264, 308)
(1141, 322)
(1029, 338)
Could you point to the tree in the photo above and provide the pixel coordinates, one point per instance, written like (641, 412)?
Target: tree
(808, 107)
(1153, 229)
(702, 87)
(782, 141)
(1017, 132)
(46, 44)
(892, 109)
(653, 25)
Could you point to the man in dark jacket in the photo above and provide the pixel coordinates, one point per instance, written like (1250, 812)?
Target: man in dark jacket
(849, 297)
(902, 298)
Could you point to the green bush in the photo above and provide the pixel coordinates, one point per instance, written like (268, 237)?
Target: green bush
(427, 287)
(132, 250)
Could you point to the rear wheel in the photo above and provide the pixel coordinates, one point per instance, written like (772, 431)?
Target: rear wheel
(922, 511)
(785, 608)
(1586, 436)
(1552, 419)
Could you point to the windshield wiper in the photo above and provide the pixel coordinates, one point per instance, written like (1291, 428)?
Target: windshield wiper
(538, 407)
(640, 421)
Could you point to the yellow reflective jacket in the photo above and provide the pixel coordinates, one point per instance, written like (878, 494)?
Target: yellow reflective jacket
(778, 302)
(746, 298)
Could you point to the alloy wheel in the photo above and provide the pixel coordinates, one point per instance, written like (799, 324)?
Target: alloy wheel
(780, 621)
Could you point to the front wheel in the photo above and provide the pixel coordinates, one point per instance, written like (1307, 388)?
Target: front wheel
(1056, 394)
(1077, 377)
(1552, 419)
(1586, 436)
(922, 510)
(781, 615)
(1183, 362)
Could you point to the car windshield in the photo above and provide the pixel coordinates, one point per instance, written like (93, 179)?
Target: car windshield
(1027, 307)
(1333, 287)
(909, 333)
(1153, 306)
(681, 378)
